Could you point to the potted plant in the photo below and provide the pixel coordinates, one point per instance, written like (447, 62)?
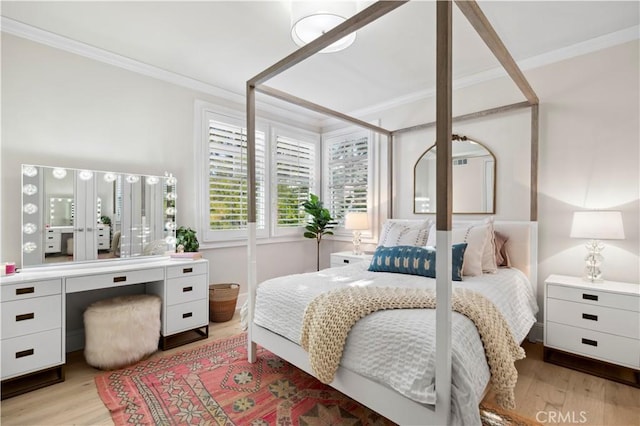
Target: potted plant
(320, 223)
(186, 237)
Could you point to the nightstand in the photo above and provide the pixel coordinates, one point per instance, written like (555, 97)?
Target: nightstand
(343, 258)
(593, 327)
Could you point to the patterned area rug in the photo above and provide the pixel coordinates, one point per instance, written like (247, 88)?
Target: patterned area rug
(215, 385)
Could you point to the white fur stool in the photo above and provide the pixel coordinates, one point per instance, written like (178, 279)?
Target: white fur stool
(122, 330)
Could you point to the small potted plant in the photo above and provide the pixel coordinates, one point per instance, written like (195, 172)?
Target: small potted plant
(186, 243)
(320, 223)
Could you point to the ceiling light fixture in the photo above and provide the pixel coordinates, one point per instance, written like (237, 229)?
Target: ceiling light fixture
(310, 20)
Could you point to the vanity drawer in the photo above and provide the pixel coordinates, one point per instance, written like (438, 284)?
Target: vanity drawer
(186, 289)
(93, 282)
(27, 290)
(32, 352)
(21, 317)
(594, 297)
(597, 318)
(185, 269)
(603, 346)
(186, 316)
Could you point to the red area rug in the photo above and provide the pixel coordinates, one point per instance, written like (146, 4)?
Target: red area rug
(214, 384)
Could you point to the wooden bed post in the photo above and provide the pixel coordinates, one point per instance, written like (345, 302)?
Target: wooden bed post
(443, 208)
(251, 214)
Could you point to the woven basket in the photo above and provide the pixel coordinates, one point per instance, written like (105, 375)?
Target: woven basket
(222, 301)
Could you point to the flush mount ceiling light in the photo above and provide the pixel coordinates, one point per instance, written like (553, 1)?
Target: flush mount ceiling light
(309, 20)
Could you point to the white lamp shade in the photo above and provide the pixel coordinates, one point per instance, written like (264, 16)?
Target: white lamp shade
(356, 221)
(597, 225)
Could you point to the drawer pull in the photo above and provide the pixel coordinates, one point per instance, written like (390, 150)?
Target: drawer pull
(25, 290)
(24, 317)
(187, 270)
(22, 354)
(187, 315)
(119, 279)
(589, 297)
(590, 317)
(186, 289)
(589, 342)
(345, 260)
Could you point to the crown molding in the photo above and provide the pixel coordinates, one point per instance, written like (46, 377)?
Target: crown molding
(56, 41)
(29, 32)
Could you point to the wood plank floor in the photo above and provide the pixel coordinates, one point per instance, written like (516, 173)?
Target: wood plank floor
(553, 394)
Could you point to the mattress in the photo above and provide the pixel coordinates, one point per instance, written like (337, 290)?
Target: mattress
(395, 347)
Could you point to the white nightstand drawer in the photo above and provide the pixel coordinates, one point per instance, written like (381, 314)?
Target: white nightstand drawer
(31, 289)
(25, 317)
(594, 297)
(603, 346)
(597, 318)
(186, 289)
(32, 352)
(347, 258)
(110, 280)
(186, 268)
(186, 316)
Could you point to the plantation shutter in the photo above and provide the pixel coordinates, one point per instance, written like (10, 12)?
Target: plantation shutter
(348, 169)
(294, 164)
(228, 177)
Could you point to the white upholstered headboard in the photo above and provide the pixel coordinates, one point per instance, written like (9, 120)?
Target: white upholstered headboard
(522, 244)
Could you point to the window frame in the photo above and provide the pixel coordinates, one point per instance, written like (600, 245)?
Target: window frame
(270, 233)
(305, 137)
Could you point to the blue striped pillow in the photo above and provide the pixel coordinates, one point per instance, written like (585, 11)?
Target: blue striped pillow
(414, 260)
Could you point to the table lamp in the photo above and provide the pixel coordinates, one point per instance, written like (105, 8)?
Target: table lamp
(356, 221)
(596, 225)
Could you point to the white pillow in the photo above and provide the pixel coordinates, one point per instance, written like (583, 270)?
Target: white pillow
(480, 240)
(408, 233)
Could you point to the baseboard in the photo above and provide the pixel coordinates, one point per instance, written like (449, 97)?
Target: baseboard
(536, 334)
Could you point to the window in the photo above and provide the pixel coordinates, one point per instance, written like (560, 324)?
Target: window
(348, 183)
(287, 170)
(294, 178)
(227, 177)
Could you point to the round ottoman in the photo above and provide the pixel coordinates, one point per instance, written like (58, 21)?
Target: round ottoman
(122, 330)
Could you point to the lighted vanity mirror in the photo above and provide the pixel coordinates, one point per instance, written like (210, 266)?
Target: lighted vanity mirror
(73, 215)
(473, 175)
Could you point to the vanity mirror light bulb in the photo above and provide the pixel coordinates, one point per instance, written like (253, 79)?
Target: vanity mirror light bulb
(29, 171)
(29, 247)
(170, 211)
(152, 180)
(59, 173)
(170, 226)
(30, 208)
(29, 228)
(132, 178)
(85, 174)
(30, 189)
(109, 177)
(170, 239)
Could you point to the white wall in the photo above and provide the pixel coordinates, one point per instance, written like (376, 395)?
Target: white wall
(65, 110)
(589, 155)
(61, 109)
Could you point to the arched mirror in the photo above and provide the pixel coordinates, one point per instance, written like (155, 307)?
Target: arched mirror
(473, 174)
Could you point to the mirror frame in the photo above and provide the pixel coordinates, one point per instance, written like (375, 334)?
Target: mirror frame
(458, 138)
(34, 209)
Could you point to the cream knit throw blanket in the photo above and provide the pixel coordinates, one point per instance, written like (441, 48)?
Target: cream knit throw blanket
(330, 316)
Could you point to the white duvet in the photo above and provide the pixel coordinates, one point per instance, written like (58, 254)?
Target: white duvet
(395, 347)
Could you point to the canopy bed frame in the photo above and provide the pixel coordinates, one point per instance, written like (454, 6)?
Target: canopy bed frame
(379, 397)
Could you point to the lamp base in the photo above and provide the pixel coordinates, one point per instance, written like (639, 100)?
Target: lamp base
(593, 261)
(356, 243)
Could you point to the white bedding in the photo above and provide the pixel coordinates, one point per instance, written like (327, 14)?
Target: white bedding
(395, 347)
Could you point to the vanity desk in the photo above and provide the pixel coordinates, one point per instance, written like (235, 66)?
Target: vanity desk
(36, 305)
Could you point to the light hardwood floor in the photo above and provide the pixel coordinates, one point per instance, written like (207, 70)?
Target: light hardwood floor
(553, 394)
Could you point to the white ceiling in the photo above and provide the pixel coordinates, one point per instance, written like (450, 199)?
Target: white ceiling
(224, 43)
